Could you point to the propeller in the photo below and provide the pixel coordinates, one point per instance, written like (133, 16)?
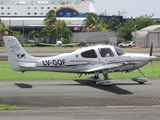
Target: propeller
(151, 49)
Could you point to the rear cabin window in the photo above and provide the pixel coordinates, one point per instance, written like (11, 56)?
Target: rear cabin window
(89, 54)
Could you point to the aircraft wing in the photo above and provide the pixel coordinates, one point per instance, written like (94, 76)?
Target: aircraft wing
(47, 44)
(71, 44)
(64, 45)
(111, 66)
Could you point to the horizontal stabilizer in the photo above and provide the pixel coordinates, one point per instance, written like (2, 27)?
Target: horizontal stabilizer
(130, 63)
(28, 65)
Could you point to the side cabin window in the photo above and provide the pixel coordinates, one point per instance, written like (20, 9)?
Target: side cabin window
(89, 54)
(119, 51)
(106, 52)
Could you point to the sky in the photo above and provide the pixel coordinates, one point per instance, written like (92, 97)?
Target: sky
(131, 8)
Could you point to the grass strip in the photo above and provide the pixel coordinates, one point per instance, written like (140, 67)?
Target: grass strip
(6, 73)
(8, 107)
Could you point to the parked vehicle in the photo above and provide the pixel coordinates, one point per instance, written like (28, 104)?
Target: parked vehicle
(126, 44)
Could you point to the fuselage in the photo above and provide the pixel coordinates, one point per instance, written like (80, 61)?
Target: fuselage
(87, 58)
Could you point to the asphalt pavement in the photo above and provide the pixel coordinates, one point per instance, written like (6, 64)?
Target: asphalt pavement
(80, 99)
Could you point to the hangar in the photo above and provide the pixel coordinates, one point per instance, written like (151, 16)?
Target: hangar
(145, 36)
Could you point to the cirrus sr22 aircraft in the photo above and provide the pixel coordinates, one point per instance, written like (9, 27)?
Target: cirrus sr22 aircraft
(96, 59)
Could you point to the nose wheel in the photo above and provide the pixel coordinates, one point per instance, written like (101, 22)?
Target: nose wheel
(140, 80)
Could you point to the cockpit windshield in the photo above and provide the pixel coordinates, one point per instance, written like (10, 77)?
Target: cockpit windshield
(119, 51)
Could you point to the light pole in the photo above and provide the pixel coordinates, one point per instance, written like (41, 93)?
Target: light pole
(135, 34)
(9, 26)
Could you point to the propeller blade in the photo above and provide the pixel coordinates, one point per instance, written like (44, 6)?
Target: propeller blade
(151, 49)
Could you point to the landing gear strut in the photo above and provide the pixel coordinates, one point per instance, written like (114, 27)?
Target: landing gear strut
(99, 81)
(106, 80)
(140, 80)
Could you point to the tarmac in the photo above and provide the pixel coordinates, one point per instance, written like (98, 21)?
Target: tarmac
(80, 99)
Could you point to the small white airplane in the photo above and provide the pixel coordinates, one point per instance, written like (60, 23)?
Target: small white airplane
(96, 59)
(59, 43)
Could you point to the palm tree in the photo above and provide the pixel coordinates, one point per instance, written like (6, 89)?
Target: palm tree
(50, 19)
(102, 26)
(91, 20)
(114, 24)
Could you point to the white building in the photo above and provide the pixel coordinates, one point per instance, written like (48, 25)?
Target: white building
(146, 36)
(30, 14)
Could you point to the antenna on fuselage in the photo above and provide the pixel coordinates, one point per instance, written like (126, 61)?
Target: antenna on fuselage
(85, 42)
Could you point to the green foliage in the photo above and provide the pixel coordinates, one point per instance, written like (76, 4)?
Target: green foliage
(144, 21)
(126, 30)
(50, 19)
(60, 29)
(137, 24)
(8, 107)
(33, 35)
(91, 21)
(114, 24)
(18, 35)
(3, 27)
(7, 73)
(101, 26)
(44, 33)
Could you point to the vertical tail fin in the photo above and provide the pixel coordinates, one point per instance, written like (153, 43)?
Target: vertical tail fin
(16, 54)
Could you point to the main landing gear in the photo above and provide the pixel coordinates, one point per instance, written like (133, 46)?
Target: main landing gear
(99, 81)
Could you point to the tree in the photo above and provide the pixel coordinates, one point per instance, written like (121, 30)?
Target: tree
(60, 25)
(3, 27)
(101, 26)
(64, 33)
(114, 24)
(132, 25)
(44, 33)
(91, 21)
(33, 34)
(67, 33)
(144, 21)
(18, 35)
(53, 33)
(50, 19)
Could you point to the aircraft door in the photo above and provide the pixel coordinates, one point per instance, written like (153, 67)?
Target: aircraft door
(106, 54)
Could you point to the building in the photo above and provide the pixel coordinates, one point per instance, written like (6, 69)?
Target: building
(26, 15)
(146, 36)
